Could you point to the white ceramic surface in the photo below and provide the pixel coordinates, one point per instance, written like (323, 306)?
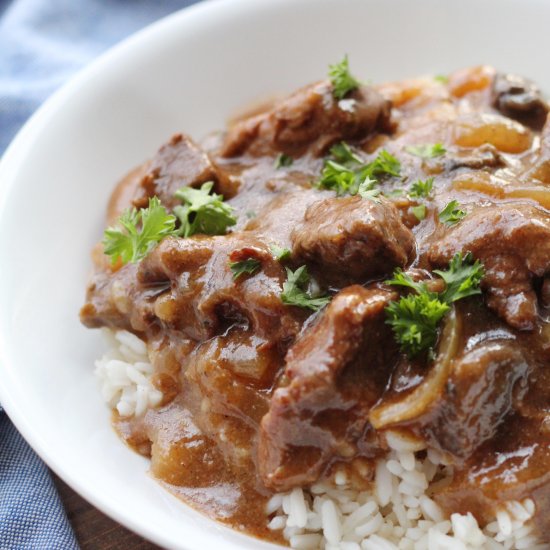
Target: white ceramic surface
(188, 72)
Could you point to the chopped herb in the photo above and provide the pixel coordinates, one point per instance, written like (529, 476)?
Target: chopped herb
(451, 214)
(384, 164)
(250, 266)
(441, 78)
(421, 189)
(295, 293)
(280, 254)
(462, 278)
(419, 211)
(400, 278)
(427, 151)
(342, 80)
(131, 244)
(343, 154)
(415, 318)
(339, 178)
(348, 181)
(250, 214)
(367, 190)
(203, 212)
(282, 161)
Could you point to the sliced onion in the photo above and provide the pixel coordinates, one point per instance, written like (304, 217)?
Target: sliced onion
(421, 398)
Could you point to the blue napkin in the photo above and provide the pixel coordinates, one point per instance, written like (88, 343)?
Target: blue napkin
(42, 44)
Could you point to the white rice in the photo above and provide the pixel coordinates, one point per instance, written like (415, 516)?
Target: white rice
(125, 373)
(397, 513)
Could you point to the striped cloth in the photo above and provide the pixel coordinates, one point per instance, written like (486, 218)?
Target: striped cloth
(42, 43)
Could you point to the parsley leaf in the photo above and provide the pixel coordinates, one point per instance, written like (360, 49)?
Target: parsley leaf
(441, 78)
(337, 177)
(462, 278)
(419, 212)
(345, 180)
(451, 214)
(280, 254)
(367, 190)
(282, 161)
(421, 189)
(400, 278)
(131, 244)
(343, 154)
(342, 80)
(428, 151)
(250, 266)
(203, 212)
(295, 293)
(415, 319)
(384, 164)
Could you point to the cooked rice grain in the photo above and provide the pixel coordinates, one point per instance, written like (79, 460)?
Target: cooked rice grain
(125, 372)
(397, 513)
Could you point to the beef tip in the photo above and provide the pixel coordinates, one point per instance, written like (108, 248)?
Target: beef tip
(310, 118)
(204, 299)
(352, 238)
(478, 395)
(513, 242)
(115, 300)
(485, 156)
(178, 163)
(520, 99)
(334, 373)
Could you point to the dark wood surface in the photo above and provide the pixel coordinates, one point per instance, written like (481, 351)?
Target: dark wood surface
(93, 529)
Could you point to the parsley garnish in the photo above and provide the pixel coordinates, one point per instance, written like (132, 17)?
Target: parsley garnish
(346, 180)
(295, 293)
(451, 214)
(343, 154)
(419, 212)
(280, 254)
(421, 189)
(131, 244)
(415, 318)
(342, 80)
(250, 266)
(282, 161)
(428, 151)
(203, 212)
(441, 78)
(462, 278)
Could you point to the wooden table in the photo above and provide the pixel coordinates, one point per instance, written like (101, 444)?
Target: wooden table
(93, 529)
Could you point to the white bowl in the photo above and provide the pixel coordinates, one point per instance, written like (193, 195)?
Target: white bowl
(188, 72)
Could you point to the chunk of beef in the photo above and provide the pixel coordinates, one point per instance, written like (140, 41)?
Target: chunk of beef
(333, 374)
(351, 238)
(513, 242)
(485, 156)
(116, 300)
(178, 163)
(205, 299)
(187, 285)
(310, 118)
(519, 98)
(478, 395)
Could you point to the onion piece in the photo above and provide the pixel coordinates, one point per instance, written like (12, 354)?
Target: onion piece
(419, 400)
